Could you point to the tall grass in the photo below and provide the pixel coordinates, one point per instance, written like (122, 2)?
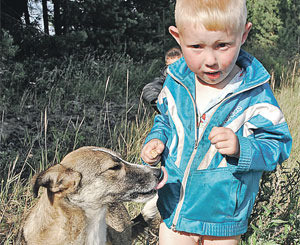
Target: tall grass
(96, 101)
(91, 102)
(276, 215)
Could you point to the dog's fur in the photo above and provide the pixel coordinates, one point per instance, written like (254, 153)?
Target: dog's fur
(79, 191)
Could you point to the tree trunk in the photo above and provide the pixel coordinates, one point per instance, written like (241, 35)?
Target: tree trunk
(26, 13)
(45, 16)
(57, 17)
(65, 16)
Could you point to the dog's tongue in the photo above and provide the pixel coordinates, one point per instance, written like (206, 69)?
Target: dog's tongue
(164, 179)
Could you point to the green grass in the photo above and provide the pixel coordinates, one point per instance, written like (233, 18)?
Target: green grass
(96, 101)
(276, 216)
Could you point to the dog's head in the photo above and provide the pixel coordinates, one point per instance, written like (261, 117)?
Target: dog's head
(93, 176)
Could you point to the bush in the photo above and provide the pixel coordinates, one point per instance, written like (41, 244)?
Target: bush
(12, 72)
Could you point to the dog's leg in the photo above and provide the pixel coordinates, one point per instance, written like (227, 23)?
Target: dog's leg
(150, 210)
(118, 224)
(149, 217)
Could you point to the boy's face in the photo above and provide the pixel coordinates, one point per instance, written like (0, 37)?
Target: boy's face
(211, 55)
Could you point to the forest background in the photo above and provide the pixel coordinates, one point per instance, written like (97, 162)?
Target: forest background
(78, 80)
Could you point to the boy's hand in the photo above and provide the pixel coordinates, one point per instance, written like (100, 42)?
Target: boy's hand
(152, 150)
(225, 141)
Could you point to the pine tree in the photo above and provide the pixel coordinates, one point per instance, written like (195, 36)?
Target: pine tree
(264, 15)
(290, 33)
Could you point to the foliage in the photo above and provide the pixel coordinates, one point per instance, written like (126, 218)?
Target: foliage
(11, 72)
(266, 21)
(8, 49)
(289, 37)
(139, 28)
(275, 34)
(276, 213)
(263, 38)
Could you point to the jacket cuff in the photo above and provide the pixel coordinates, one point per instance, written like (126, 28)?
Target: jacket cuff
(144, 163)
(156, 135)
(245, 154)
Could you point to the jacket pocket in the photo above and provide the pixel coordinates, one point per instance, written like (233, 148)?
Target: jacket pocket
(211, 196)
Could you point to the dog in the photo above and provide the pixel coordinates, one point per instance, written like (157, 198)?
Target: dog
(84, 196)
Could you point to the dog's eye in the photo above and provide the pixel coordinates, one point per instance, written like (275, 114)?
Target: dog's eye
(115, 167)
(115, 159)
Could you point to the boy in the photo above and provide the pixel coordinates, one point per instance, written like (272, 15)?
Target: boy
(218, 129)
(152, 90)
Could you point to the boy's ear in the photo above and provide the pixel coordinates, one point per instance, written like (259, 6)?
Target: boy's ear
(175, 33)
(246, 31)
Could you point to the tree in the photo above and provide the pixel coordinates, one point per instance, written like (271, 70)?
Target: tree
(57, 17)
(12, 11)
(264, 15)
(136, 27)
(289, 36)
(45, 16)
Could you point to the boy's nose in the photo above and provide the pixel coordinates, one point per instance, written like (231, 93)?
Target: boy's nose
(210, 58)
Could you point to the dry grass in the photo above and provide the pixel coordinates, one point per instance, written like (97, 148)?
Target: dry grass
(127, 136)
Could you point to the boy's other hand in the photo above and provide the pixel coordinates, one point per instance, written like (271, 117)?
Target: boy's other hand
(225, 141)
(152, 151)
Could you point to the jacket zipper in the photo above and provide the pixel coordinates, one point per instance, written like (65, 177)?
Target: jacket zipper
(184, 181)
(187, 171)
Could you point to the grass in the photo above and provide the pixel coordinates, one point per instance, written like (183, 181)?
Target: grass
(276, 215)
(96, 101)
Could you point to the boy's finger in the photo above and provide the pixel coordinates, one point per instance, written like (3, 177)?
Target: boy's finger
(153, 161)
(217, 138)
(215, 131)
(154, 153)
(160, 148)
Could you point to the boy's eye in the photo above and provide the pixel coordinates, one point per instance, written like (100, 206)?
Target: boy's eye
(196, 46)
(223, 45)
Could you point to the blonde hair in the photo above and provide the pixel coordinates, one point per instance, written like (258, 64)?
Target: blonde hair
(214, 15)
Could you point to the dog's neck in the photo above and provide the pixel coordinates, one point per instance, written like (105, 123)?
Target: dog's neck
(95, 214)
(90, 223)
(96, 226)
(49, 217)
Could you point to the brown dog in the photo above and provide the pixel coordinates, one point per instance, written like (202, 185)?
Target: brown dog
(89, 180)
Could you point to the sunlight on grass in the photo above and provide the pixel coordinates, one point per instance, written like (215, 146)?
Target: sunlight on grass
(289, 100)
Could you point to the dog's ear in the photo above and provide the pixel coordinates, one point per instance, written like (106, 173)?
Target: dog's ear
(57, 179)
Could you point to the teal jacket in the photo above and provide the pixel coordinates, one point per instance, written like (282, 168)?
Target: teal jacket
(208, 193)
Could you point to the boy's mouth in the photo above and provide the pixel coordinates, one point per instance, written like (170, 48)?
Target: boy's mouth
(213, 75)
